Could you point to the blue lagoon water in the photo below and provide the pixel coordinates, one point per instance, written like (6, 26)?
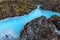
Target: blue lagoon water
(13, 26)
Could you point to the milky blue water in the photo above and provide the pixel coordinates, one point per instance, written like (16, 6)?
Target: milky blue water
(13, 26)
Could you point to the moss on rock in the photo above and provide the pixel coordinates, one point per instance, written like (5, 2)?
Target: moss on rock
(11, 8)
(15, 8)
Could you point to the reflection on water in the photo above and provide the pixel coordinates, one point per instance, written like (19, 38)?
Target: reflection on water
(16, 24)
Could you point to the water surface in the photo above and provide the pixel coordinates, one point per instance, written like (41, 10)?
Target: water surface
(13, 26)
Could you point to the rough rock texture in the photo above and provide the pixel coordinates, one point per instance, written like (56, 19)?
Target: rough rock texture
(39, 29)
(11, 8)
(52, 5)
(56, 20)
(58, 36)
(15, 8)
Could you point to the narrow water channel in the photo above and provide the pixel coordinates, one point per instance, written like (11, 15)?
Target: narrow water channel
(13, 26)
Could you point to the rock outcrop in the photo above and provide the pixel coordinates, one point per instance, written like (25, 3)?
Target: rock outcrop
(56, 21)
(52, 5)
(39, 29)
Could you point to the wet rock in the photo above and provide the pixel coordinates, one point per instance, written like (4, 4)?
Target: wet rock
(39, 29)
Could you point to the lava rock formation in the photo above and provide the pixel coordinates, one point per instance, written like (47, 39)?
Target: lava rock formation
(56, 21)
(39, 29)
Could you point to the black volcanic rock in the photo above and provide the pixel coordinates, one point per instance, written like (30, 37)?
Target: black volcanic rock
(52, 5)
(56, 20)
(39, 29)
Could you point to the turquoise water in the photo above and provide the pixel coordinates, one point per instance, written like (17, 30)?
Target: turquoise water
(14, 25)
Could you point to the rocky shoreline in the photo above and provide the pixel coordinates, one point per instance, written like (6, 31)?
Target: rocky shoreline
(12, 8)
(41, 29)
(56, 21)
